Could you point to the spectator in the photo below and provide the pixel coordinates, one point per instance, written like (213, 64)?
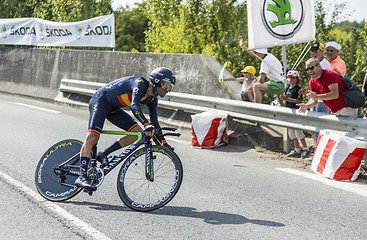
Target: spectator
(271, 68)
(317, 51)
(337, 64)
(326, 85)
(248, 81)
(290, 98)
(364, 85)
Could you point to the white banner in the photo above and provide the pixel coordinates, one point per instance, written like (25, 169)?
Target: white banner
(95, 32)
(18, 31)
(279, 22)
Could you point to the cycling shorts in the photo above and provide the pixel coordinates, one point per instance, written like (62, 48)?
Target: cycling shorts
(100, 109)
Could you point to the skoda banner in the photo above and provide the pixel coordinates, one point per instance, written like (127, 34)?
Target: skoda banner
(95, 32)
(279, 22)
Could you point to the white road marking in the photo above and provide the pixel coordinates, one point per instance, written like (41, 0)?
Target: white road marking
(70, 218)
(353, 187)
(35, 107)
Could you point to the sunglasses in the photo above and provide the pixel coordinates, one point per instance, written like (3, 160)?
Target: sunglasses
(167, 85)
(311, 68)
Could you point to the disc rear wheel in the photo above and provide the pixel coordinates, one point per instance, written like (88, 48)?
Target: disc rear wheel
(56, 183)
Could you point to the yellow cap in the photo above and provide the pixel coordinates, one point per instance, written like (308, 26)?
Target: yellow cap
(249, 69)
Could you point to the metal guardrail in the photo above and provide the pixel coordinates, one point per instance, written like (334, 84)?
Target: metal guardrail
(80, 87)
(253, 112)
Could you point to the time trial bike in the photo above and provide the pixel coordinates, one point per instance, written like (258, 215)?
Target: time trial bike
(149, 177)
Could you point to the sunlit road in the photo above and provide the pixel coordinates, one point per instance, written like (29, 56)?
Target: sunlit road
(228, 193)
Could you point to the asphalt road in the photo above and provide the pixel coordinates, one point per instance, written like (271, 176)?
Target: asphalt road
(228, 193)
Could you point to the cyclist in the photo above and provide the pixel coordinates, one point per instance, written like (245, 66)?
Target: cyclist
(107, 102)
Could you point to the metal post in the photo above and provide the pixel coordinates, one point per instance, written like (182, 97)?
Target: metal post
(284, 53)
(286, 140)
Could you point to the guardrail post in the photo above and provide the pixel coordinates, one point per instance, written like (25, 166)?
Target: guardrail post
(287, 145)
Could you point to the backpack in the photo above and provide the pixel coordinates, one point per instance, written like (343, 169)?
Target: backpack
(353, 96)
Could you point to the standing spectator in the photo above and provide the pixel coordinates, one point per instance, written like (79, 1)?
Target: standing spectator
(248, 81)
(317, 51)
(290, 98)
(337, 64)
(271, 68)
(326, 85)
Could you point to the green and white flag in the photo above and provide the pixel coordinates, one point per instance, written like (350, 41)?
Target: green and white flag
(279, 22)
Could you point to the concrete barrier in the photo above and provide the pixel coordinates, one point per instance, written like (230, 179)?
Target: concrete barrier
(38, 72)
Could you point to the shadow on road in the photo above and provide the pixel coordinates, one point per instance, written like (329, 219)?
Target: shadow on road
(211, 217)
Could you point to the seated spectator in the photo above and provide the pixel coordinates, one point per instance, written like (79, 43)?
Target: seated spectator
(337, 64)
(248, 80)
(271, 68)
(326, 85)
(290, 98)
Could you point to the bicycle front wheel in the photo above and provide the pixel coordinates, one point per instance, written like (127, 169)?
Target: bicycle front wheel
(141, 194)
(53, 182)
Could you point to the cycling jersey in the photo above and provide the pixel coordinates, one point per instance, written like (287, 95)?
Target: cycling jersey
(125, 92)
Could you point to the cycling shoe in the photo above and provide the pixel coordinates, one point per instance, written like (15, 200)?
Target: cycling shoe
(102, 158)
(84, 183)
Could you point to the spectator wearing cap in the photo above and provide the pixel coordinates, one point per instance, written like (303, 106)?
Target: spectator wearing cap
(337, 64)
(326, 85)
(317, 51)
(271, 68)
(291, 97)
(248, 80)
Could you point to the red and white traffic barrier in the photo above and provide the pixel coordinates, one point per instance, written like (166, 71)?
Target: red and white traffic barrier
(209, 129)
(338, 157)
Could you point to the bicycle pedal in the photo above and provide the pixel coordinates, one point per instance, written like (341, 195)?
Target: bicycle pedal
(90, 192)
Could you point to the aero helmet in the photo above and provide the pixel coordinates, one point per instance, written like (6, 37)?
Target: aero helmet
(163, 77)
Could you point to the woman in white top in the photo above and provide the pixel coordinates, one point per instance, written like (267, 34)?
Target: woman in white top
(248, 81)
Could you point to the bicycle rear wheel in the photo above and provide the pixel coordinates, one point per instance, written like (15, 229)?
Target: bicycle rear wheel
(58, 185)
(140, 194)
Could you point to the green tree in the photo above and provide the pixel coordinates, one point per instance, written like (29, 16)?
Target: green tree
(197, 27)
(130, 26)
(55, 10)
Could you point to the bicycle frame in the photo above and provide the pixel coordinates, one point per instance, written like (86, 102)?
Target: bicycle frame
(142, 139)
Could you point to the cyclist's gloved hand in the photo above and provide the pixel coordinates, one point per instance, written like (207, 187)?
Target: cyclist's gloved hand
(165, 144)
(149, 130)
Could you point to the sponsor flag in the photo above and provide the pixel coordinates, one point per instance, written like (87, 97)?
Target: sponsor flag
(95, 32)
(279, 22)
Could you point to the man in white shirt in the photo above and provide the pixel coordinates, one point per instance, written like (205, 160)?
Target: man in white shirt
(271, 68)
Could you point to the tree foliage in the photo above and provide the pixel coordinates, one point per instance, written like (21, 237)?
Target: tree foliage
(55, 10)
(197, 27)
(130, 26)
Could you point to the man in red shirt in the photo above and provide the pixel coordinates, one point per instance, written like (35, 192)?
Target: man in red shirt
(326, 85)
